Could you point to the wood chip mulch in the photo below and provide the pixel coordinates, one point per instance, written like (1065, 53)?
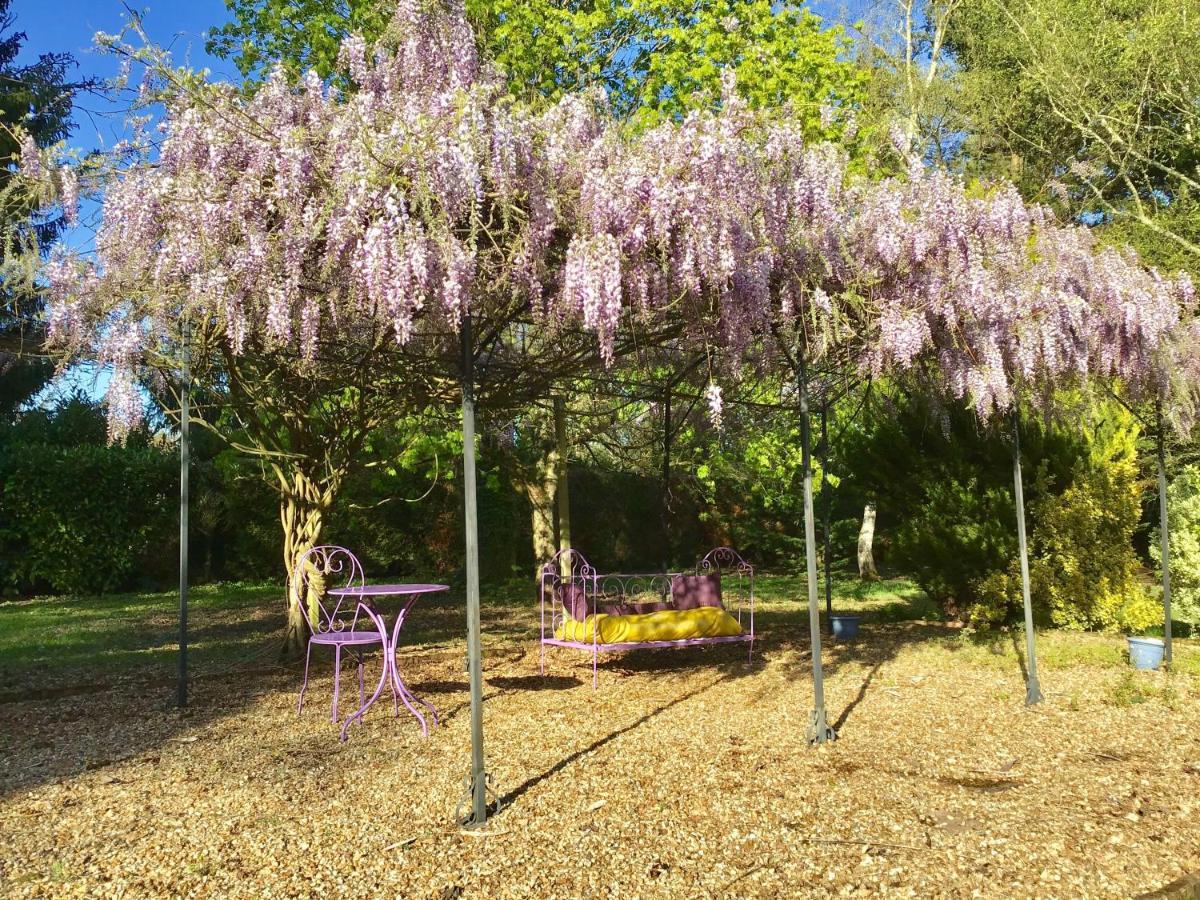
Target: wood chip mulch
(686, 774)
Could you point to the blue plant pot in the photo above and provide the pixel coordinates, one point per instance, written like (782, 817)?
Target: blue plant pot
(1145, 653)
(845, 628)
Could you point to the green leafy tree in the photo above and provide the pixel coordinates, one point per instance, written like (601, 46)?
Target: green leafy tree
(301, 34)
(655, 58)
(1089, 105)
(746, 476)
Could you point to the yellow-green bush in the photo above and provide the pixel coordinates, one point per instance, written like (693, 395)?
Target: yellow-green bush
(1183, 512)
(1082, 565)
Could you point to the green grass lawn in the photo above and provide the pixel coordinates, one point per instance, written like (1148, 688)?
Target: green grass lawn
(50, 638)
(49, 642)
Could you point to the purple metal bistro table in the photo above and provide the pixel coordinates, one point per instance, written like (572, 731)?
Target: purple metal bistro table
(411, 592)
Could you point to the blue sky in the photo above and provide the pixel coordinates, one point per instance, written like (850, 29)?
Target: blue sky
(68, 26)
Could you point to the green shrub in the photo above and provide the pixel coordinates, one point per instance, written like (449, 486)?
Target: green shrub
(87, 519)
(943, 487)
(1183, 518)
(966, 527)
(1082, 565)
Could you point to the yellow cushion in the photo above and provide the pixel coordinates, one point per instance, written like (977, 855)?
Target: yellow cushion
(665, 625)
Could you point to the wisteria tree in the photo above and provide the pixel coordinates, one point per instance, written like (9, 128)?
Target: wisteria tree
(770, 250)
(298, 227)
(317, 254)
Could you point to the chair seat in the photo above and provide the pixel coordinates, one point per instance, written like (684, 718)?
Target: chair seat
(347, 637)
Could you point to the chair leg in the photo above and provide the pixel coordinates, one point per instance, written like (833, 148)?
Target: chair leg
(542, 659)
(595, 678)
(337, 676)
(307, 657)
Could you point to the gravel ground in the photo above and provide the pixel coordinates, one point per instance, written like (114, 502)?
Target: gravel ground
(685, 774)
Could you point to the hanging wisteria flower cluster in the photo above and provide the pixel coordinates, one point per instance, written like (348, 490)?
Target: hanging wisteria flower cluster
(302, 214)
(422, 194)
(749, 231)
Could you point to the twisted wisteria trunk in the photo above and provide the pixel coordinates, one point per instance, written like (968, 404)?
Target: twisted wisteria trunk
(302, 507)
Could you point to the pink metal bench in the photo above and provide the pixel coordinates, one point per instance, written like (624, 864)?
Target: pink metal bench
(567, 574)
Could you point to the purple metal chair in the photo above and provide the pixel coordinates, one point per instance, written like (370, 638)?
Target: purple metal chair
(329, 622)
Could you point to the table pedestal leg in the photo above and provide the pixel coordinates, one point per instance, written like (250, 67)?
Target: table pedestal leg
(410, 699)
(383, 677)
(399, 688)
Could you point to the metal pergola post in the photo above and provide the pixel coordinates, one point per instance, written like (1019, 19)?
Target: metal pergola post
(1164, 529)
(827, 507)
(472, 811)
(184, 465)
(1033, 690)
(818, 730)
(665, 500)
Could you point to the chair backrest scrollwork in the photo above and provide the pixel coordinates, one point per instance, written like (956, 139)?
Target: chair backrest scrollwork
(318, 571)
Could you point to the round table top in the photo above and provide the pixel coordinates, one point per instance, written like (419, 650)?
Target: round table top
(387, 590)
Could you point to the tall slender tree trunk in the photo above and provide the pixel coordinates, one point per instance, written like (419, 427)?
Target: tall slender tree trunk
(302, 507)
(866, 545)
(541, 489)
(562, 451)
(665, 500)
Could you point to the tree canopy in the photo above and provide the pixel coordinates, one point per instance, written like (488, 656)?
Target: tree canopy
(1090, 106)
(35, 112)
(301, 219)
(655, 59)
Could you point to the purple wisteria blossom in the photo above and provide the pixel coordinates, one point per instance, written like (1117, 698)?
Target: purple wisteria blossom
(300, 215)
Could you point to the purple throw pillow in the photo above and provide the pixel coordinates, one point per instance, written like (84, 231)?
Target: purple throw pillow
(694, 591)
(574, 600)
